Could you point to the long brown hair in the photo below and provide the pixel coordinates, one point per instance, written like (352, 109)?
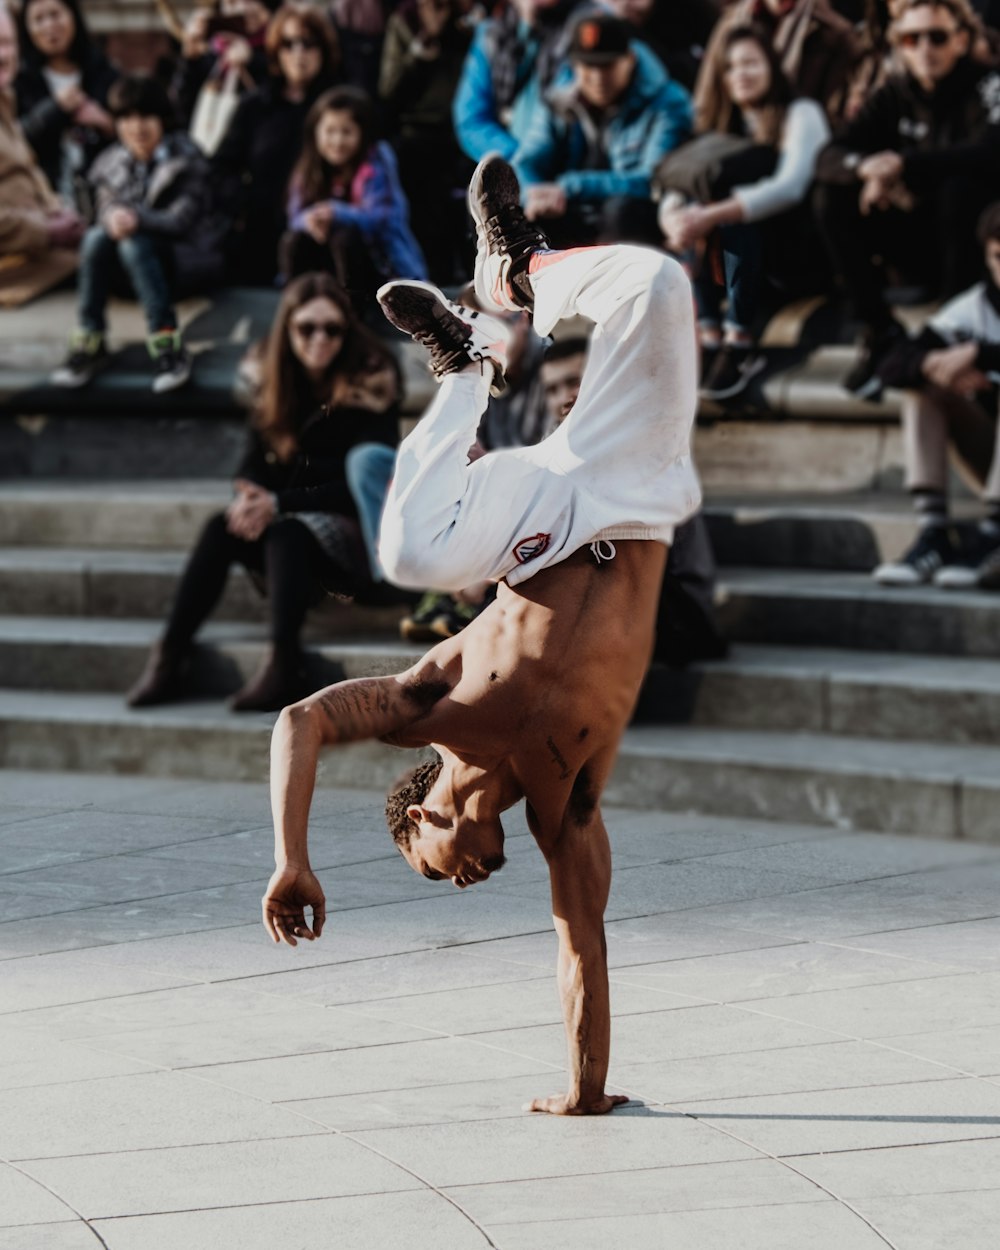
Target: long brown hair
(363, 372)
(312, 174)
(721, 114)
(315, 25)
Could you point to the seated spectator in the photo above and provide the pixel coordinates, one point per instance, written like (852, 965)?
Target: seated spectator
(255, 159)
(677, 31)
(952, 369)
(346, 210)
(62, 91)
(586, 163)
(511, 63)
(360, 27)
(222, 54)
(326, 384)
(561, 376)
(817, 48)
(751, 203)
(151, 194)
(917, 164)
(425, 46)
(32, 218)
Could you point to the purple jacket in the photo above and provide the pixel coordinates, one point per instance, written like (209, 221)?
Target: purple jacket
(377, 206)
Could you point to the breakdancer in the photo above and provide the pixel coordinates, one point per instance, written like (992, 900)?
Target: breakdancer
(531, 699)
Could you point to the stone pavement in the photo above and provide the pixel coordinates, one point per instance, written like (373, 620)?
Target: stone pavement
(807, 1020)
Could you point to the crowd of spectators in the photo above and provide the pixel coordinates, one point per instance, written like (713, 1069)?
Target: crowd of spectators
(844, 148)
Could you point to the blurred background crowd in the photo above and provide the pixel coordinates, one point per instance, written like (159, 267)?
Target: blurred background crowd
(778, 148)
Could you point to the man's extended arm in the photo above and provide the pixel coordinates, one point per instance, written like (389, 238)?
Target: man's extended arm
(369, 707)
(580, 873)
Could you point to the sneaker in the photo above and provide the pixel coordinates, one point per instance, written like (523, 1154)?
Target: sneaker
(505, 239)
(419, 625)
(935, 547)
(454, 618)
(171, 361)
(863, 379)
(87, 356)
(977, 567)
(455, 336)
(731, 369)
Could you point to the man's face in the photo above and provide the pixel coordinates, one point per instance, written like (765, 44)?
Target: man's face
(561, 384)
(8, 51)
(930, 42)
(449, 846)
(993, 260)
(601, 86)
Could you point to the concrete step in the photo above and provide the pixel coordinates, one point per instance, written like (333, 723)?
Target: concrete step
(933, 789)
(801, 608)
(851, 532)
(886, 696)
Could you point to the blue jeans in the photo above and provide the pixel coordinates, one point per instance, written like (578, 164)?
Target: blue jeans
(142, 259)
(743, 270)
(369, 468)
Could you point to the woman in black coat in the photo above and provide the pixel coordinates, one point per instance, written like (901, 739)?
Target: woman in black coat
(326, 385)
(62, 91)
(255, 160)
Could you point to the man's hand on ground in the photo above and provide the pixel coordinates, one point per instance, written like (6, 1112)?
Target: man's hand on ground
(563, 1104)
(289, 892)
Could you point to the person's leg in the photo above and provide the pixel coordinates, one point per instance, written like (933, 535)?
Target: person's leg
(369, 469)
(958, 203)
(97, 259)
(848, 238)
(142, 260)
(628, 219)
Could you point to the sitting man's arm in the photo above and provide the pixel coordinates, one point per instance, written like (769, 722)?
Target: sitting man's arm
(580, 873)
(369, 707)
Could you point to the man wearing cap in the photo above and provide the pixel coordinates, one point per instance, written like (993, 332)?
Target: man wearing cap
(612, 114)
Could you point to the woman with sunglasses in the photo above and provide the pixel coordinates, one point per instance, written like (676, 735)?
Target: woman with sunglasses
(325, 385)
(903, 184)
(255, 159)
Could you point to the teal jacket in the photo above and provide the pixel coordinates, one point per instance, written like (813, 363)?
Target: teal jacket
(653, 117)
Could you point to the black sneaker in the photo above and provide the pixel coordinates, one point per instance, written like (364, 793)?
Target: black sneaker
(731, 371)
(978, 565)
(505, 239)
(419, 625)
(863, 379)
(87, 356)
(935, 547)
(171, 361)
(454, 336)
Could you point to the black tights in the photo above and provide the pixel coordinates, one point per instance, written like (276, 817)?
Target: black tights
(286, 554)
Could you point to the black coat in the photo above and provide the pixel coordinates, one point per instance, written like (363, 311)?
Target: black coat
(192, 73)
(253, 165)
(45, 123)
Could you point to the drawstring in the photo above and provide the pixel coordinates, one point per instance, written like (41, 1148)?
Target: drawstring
(602, 549)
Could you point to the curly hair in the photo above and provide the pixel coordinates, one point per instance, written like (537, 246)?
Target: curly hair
(409, 789)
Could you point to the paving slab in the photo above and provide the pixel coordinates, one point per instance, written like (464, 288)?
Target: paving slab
(799, 1012)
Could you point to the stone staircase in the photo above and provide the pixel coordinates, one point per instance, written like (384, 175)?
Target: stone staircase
(842, 703)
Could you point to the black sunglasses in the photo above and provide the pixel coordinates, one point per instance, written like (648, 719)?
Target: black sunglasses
(299, 41)
(308, 329)
(936, 37)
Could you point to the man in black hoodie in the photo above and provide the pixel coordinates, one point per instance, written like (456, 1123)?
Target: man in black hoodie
(906, 180)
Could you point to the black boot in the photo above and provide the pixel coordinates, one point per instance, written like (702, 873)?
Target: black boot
(280, 680)
(163, 678)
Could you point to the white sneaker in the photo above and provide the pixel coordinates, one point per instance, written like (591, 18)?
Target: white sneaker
(505, 239)
(455, 336)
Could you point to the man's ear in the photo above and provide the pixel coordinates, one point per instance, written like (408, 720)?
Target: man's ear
(417, 813)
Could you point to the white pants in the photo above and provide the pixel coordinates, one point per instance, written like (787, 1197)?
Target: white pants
(619, 466)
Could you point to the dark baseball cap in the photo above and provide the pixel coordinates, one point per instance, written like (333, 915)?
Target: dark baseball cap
(600, 40)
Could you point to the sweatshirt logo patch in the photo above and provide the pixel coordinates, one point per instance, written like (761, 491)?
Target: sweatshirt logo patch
(531, 548)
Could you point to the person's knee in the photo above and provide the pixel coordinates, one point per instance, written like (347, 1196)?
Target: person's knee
(96, 242)
(368, 468)
(135, 246)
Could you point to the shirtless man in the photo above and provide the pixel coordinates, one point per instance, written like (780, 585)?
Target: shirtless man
(531, 699)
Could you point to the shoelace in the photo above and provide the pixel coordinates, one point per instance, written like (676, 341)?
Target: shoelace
(445, 346)
(603, 549)
(510, 228)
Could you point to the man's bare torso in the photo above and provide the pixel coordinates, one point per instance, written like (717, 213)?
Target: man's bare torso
(549, 674)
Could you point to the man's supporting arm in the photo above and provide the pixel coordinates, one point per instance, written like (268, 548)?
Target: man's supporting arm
(580, 874)
(369, 707)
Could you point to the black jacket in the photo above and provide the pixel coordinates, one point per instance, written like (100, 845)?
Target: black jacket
(192, 73)
(45, 123)
(953, 132)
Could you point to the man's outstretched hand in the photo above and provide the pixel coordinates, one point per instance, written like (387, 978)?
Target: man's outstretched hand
(289, 892)
(562, 1104)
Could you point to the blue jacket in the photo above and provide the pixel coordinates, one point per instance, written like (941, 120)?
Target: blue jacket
(653, 117)
(377, 205)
